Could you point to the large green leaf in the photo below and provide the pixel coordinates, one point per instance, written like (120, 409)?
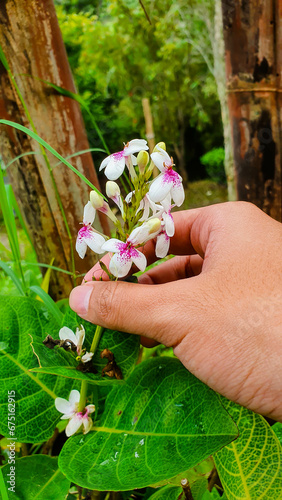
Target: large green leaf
(23, 323)
(160, 422)
(277, 428)
(250, 467)
(37, 478)
(71, 372)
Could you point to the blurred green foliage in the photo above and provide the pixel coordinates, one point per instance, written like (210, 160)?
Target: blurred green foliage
(214, 163)
(118, 57)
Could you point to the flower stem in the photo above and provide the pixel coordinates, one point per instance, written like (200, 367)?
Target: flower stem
(84, 384)
(96, 338)
(83, 394)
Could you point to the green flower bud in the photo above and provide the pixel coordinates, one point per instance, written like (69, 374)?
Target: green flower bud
(159, 145)
(142, 160)
(96, 200)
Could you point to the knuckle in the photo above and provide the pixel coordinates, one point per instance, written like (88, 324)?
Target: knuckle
(107, 304)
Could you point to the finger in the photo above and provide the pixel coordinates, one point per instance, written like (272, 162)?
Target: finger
(141, 309)
(177, 268)
(96, 272)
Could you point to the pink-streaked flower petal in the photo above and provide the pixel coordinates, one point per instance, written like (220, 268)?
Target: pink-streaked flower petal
(80, 336)
(105, 162)
(169, 224)
(80, 246)
(65, 407)
(66, 333)
(166, 202)
(74, 397)
(162, 245)
(139, 259)
(89, 214)
(113, 245)
(177, 193)
(94, 240)
(74, 424)
(115, 167)
(160, 188)
(120, 264)
(87, 424)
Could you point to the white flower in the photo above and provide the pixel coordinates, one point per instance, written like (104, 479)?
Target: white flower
(77, 338)
(168, 229)
(69, 408)
(169, 181)
(116, 162)
(87, 357)
(87, 236)
(113, 192)
(125, 253)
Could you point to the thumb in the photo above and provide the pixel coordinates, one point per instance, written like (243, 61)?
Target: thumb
(135, 308)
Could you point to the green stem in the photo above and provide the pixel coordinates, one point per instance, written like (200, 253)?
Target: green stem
(84, 384)
(83, 395)
(96, 338)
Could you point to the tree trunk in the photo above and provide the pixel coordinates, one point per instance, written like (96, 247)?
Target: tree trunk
(220, 78)
(253, 39)
(31, 40)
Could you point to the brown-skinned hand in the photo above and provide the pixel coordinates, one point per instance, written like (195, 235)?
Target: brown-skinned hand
(218, 302)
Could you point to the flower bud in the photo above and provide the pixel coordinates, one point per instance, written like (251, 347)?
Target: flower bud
(153, 225)
(142, 160)
(96, 199)
(159, 145)
(112, 189)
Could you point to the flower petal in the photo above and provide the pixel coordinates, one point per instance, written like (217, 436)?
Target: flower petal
(135, 146)
(161, 157)
(162, 245)
(94, 240)
(73, 425)
(178, 193)
(87, 357)
(80, 246)
(139, 259)
(90, 408)
(66, 333)
(105, 162)
(80, 336)
(64, 406)
(87, 424)
(160, 188)
(169, 224)
(115, 167)
(89, 214)
(74, 397)
(113, 245)
(120, 264)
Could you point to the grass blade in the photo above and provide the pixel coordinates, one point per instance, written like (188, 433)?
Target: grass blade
(49, 303)
(13, 277)
(79, 153)
(21, 156)
(43, 143)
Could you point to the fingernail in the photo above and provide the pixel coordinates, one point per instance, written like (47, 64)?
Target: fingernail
(79, 298)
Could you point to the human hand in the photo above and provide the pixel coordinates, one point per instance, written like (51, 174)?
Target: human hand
(217, 303)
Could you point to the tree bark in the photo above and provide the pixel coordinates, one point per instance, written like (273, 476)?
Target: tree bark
(220, 78)
(32, 43)
(253, 47)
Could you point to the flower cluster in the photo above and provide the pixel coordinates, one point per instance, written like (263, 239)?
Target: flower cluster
(145, 211)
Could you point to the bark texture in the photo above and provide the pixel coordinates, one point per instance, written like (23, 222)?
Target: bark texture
(253, 49)
(33, 45)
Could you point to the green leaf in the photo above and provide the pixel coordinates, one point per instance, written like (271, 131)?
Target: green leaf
(277, 428)
(169, 492)
(23, 323)
(70, 372)
(49, 303)
(250, 467)
(13, 276)
(201, 470)
(37, 477)
(160, 422)
(51, 150)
